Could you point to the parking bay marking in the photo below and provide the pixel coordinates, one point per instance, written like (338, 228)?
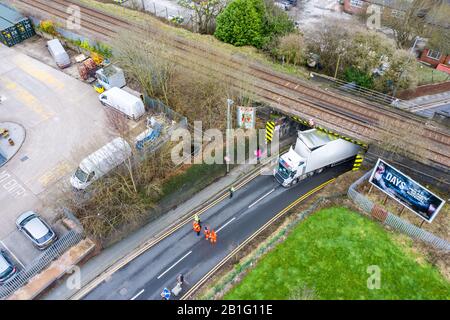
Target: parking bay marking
(174, 264)
(14, 256)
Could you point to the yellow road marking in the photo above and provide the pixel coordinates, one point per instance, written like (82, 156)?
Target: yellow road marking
(267, 224)
(24, 64)
(84, 291)
(26, 98)
(60, 170)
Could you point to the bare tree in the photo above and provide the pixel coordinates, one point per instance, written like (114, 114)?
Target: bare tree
(205, 13)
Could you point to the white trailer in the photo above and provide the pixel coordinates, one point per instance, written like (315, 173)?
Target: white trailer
(314, 151)
(100, 163)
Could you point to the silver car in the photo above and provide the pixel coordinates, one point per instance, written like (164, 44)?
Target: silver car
(36, 229)
(7, 269)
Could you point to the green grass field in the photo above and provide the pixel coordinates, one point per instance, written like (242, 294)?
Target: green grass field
(327, 256)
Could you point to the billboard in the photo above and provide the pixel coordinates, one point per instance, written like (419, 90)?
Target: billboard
(406, 191)
(246, 117)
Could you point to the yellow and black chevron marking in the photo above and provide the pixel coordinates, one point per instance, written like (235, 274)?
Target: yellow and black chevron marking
(270, 127)
(359, 143)
(358, 162)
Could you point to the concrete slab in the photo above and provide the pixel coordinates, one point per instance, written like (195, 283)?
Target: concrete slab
(64, 122)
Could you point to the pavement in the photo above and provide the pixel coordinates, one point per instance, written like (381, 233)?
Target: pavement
(111, 255)
(234, 219)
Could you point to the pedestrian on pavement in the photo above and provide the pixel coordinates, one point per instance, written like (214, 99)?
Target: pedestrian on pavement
(207, 233)
(231, 192)
(180, 279)
(258, 154)
(197, 228)
(213, 237)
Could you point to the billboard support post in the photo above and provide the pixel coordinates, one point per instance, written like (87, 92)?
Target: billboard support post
(385, 200)
(401, 211)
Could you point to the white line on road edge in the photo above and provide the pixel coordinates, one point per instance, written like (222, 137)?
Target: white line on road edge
(225, 225)
(261, 198)
(174, 264)
(140, 292)
(14, 256)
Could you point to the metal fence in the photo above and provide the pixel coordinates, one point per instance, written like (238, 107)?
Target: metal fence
(68, 240)
(393, 220)
(365, 93)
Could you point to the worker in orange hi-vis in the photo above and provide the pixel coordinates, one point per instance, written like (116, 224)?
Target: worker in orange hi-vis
(207, 233)
(197, 228)
(213, 236)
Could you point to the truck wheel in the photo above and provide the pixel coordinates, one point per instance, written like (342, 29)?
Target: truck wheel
(319, 170)
(294, 182)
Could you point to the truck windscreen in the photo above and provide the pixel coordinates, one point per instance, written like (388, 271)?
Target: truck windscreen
(283, 171)
(81, 175)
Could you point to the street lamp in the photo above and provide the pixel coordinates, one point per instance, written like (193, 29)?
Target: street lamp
(227, 158)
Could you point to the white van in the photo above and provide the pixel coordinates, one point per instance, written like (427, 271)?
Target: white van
(122, 101)
(58, 53)
(100, 163)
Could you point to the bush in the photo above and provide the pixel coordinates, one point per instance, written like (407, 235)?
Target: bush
(359, 77)
(48, 26)
(252, 22)
(290, 49)
(241, 23)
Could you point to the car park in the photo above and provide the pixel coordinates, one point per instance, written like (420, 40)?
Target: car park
(7, 268)
(36, 229)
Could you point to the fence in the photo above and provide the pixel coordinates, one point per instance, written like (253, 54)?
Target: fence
(68, 240)
(368, 94)
(392, 220)
(175, 13)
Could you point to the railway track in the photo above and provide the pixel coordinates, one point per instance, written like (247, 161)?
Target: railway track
(287, 93)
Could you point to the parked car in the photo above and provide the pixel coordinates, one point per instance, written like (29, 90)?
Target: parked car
(36, 229)
(7, 268)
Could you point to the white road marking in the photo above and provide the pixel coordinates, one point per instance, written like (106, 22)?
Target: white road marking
(137, 295)
(225, 225)
(261, 198)
(174, 264)
(14, 256)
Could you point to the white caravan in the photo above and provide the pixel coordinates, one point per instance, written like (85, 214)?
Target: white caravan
(100, 163)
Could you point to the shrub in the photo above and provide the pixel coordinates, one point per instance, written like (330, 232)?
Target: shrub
(252, 22)
(290, 49)
(359, 77)
(48, 26)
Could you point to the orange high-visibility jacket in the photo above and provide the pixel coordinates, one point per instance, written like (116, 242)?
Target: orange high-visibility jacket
(207, 234)
(213, 236)
(197, 227)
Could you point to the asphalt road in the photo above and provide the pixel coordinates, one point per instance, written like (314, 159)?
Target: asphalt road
(184, 252)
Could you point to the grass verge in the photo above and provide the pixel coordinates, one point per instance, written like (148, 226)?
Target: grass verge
(327, 256)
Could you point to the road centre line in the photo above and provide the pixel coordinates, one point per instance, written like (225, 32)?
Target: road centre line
(174, 264)
(254, 203)
(225, 225)
(94, 283)
(14, 256)
(238, 248)
(138, 294)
